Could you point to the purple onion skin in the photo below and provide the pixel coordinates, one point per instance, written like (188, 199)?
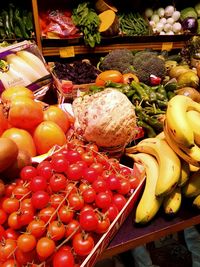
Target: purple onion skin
(189, 25)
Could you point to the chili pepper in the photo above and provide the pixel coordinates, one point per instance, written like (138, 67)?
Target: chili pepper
(148, 129)
(140, 90)
(154, 80)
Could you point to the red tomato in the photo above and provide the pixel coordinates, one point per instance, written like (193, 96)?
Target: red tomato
(56, 230)
(45, 247)
(82, 244)
(7, 248)
(109, 75)
(57, 115)
(103, 225)
(36, 227)
(25, 113)
(88, 220)
(26, 242)
(63, 257)
(10, 204)
(66, 214)
(46, 135)
(10, 263)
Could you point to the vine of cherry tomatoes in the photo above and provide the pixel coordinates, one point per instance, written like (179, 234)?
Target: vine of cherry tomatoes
(55, 212)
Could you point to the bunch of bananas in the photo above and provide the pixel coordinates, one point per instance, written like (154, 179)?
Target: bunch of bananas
(171, 161)
(182, 132)
(163, 171)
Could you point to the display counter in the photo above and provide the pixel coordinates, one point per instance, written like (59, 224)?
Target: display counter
(130, 235)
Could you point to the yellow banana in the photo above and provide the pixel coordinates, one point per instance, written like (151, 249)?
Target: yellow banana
(148, 204)
(196, 201)
(172, 202)
(177, 119)
(169, 163)
(185, 173)
(194, 120)
(192, 187)
(161, 135)
(193, 168)
(181, 151)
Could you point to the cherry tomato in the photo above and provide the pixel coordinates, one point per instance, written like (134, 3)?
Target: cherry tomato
(90, 174)
(89, 195)
(57, 115)
(56, 200)
(23, 140)
(37, 228)
(25, 113)
(102, 225)
(25, 257)
(10, 263)
(72, 227)
(113, 182)
(88, 157)
(46, 135)
(7, 248)
(13, 221)
(124, 187)
(63, 257)
(112, 212)
(103, 200)
(59, 163)
(56, 230)
(26, 242)
(20, 191)
(58, 182)
(134, 182)
(119, 200)
(45, 247)
(38, 183)
(74, 172)
(99, 185)
(2, 232)
(82, 244)
(109, 75)
(11, 234)
(3, 216)
(76, 201)
(40, 199)
(72, 156)
(88, 220)
(45, 169)
(65, 214)
(27, 173)
(47, 214)
(25, 216)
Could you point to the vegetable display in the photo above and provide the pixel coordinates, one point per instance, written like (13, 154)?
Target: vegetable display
(133, 24)
(87, 20)
(80, 72)
(16, 23)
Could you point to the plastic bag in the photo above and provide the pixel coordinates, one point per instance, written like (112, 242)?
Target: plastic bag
(23, 64)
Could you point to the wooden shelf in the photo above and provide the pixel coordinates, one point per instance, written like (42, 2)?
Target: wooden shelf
(81, 49)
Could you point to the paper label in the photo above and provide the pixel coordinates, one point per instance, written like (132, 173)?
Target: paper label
(67, 51)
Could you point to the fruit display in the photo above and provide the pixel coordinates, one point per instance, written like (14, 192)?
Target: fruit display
(62, 183)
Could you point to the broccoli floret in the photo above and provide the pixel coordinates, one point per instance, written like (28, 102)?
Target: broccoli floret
(146, 64)
(118, 59)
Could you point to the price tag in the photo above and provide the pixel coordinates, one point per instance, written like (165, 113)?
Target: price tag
(67, 51)
(167, 46)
